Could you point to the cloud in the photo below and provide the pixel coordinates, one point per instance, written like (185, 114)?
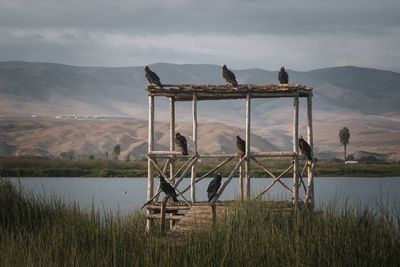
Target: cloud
(302, 34)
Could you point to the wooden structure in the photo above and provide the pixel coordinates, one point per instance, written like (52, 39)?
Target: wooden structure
(199, 92)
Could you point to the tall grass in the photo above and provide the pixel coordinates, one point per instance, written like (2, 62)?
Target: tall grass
(51, 233)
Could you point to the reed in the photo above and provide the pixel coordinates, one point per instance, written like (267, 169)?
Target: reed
(42, 232)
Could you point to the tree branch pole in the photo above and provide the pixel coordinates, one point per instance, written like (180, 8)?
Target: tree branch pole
(295, 149)
(310, 169)
(172, 137)
(150, 147)
(193, 176)
(248, 109)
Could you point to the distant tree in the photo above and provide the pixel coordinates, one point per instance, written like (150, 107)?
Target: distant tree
(350, 157)
(106, 154)
(116, 151)
(128, 158)
(91, 157)
(344, 136)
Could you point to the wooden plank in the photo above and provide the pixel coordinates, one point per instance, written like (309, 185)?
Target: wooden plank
(168, 207)
(167, 217)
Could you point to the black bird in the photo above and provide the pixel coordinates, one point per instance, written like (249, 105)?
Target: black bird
(180, 142)
(229, 76)
(152, 77)
(240, 145)
(305, 148)
(167, 188)
(283, 76)
(214, 186)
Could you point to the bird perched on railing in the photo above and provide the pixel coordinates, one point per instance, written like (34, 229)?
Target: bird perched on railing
(229, 76)
(283, 76)
(180, 142)
(241, 146)
(305, 148)
(214, 186)
(168, 190)
(152, 77)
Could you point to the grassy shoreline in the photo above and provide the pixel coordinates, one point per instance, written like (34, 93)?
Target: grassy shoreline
(24, 166)
(40, 233)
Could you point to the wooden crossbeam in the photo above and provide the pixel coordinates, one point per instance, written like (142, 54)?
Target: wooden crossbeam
(273, 182)
(184, 173)
(302, 182)
(159, 170)
(156, 195)
(222, 188)
(158, 191)
(272, 175)
(208, 173)
(164, 170)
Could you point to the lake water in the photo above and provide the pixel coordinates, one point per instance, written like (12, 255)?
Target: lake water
(127, 194)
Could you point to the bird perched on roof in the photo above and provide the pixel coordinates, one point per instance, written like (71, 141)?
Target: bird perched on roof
(168, 190)
(214, 186)
(180, 142)
(305, 148)
(229, 76)
(283, 76)
(152, 77)
(241, 146)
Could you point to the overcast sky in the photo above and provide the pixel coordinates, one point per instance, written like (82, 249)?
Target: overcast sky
(299, 34)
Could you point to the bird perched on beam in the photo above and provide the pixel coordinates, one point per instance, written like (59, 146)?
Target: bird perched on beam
(283, 76)
(168, 190)
(152, 77)
(180, 142)
(305, 148)
(214, 186)
(229, 76)
(241, 146)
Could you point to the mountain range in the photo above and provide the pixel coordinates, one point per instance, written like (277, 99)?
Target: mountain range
(364, 100)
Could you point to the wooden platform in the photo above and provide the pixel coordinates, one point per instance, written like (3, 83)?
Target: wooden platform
(194, 218)
(197, 219)
(184, 92)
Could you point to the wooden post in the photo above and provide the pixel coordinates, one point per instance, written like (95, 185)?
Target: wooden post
(150, 147)
(310, 186)
(162, 219)
(213, 213)
(193, 177)
(295, 149)
(248, 107)
(241, 181)
(172, 137)
(172, 144)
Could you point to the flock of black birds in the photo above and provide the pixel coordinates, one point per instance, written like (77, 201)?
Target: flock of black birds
(181, 143)
(227, 74)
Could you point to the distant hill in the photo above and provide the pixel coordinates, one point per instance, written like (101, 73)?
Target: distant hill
(365, 100)
(66, 137)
